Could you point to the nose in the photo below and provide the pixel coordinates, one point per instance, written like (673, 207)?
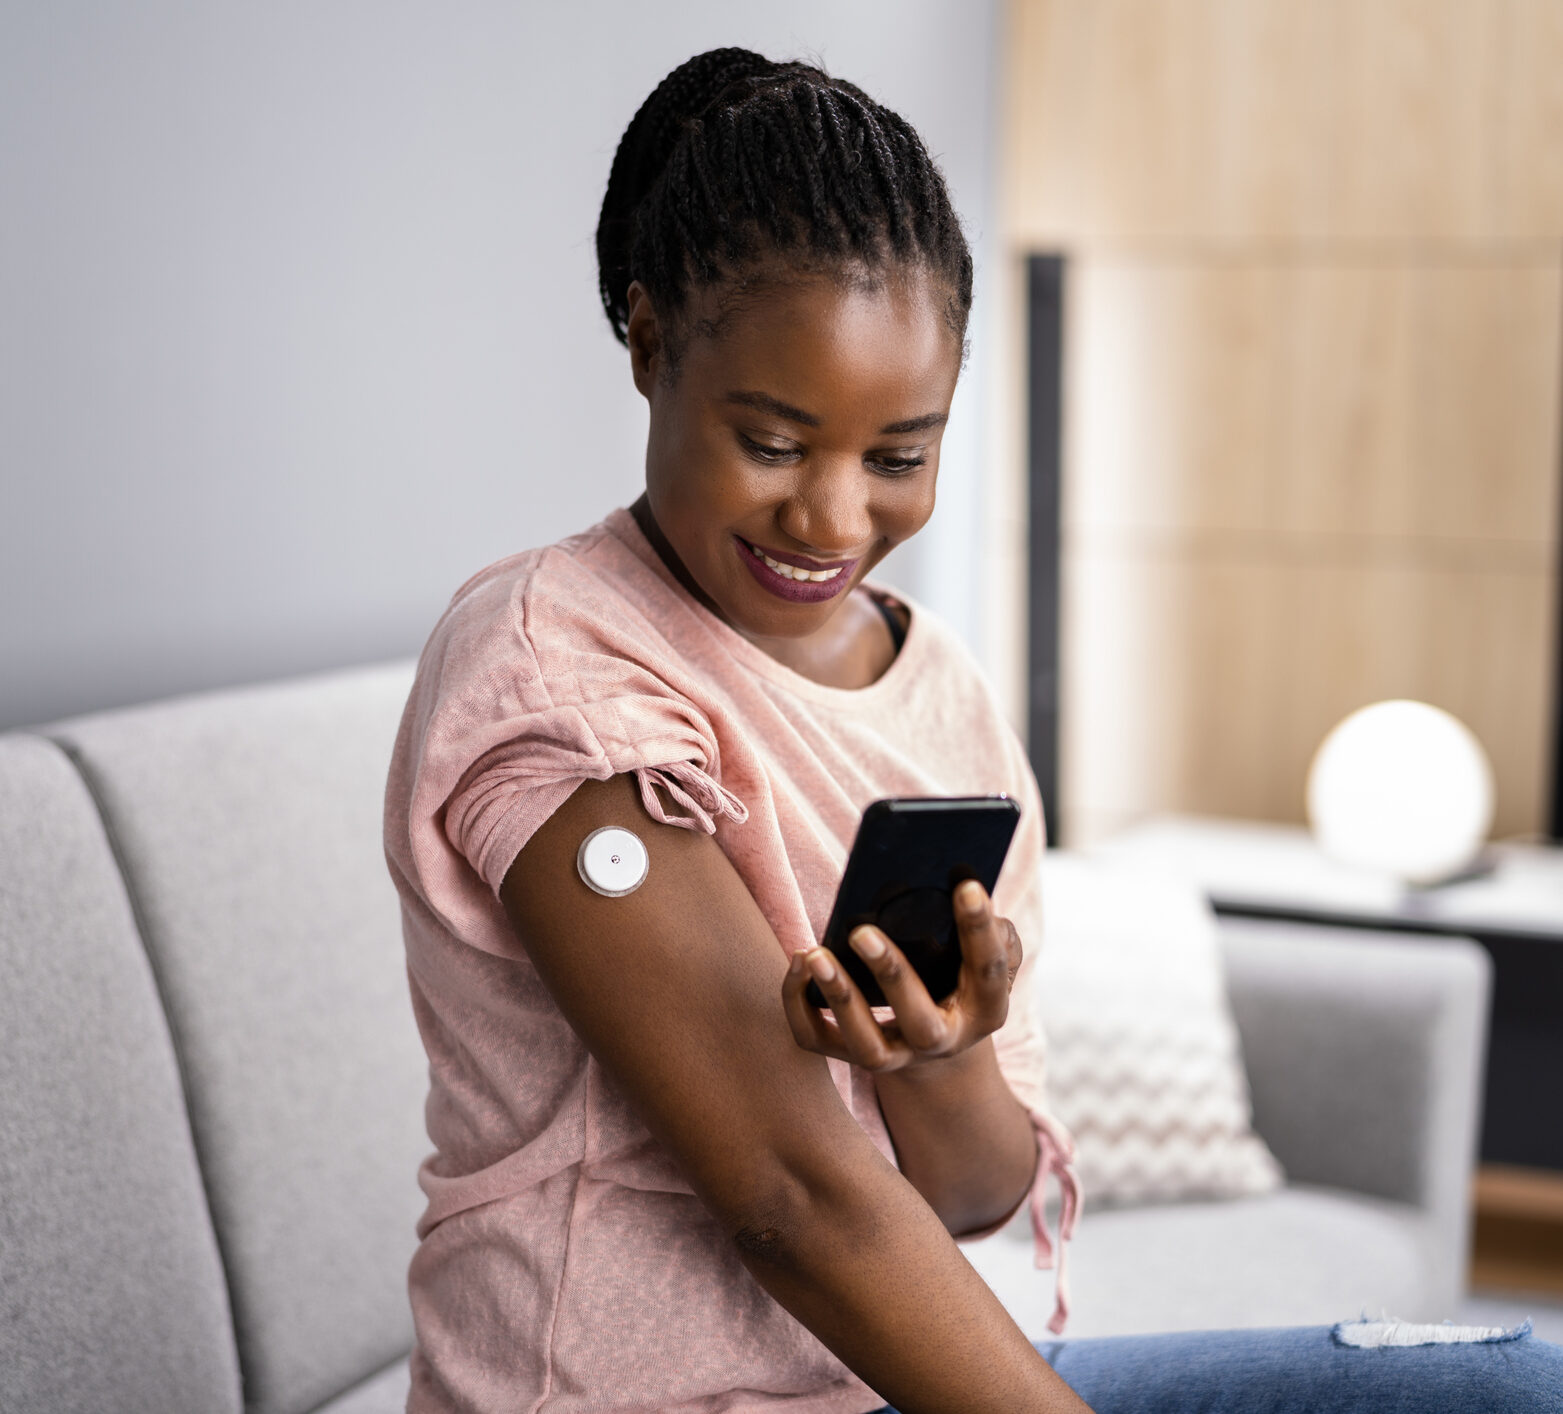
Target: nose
(829, 513)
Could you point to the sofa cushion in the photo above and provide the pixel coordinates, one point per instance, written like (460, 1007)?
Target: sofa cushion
(113, 1293)
(384, 1392)
(1302, 1256)
(248, 824)
(1144, 1061)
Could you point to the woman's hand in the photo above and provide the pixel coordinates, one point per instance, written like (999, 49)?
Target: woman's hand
(923, 1029)
(961, 1137)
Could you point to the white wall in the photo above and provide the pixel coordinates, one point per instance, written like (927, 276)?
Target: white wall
(298, 313)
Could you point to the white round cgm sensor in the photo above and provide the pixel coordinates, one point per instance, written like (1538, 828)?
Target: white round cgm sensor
(612, 861)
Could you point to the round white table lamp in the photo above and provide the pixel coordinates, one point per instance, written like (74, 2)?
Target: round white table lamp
(1403, 787)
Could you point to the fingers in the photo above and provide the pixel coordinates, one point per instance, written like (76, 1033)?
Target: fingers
(923, 1023)
(855, 1036)
(990, 953)
(991, 956)
(809, 1028)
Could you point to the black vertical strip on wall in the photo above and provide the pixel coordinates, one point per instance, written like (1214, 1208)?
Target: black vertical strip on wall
(1557, 645)
(1044, 390)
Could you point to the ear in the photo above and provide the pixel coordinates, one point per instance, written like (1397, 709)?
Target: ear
(643, 333)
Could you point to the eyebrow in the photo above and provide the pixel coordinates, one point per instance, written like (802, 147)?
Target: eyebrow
(914, 424)
(766, 403)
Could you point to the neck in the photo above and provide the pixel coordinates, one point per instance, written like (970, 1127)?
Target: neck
(853, 651)
(647, 522)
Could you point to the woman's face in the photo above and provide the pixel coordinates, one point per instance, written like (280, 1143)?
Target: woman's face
(797, 445)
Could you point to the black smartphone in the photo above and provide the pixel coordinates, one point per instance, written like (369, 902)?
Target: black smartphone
(907, 858)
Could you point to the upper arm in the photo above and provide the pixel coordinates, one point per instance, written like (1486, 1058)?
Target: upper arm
(676, 990)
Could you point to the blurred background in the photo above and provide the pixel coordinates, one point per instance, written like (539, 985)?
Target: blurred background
(299, 327)
(299, 322)
(1311, 382)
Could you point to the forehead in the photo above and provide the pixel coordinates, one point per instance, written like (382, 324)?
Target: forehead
(873, 347)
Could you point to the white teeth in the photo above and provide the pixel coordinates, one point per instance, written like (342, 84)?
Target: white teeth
(792, 571)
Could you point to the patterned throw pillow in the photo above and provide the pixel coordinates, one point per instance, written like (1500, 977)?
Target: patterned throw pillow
(1143, 1062)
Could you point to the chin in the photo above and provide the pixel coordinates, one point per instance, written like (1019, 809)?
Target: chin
(783, 620)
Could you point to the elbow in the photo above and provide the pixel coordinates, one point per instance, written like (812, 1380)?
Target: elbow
(767, 1243)
(786, 1220)
(775, 1219)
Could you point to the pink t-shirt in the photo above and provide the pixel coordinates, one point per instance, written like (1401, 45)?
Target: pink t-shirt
(564, 1264)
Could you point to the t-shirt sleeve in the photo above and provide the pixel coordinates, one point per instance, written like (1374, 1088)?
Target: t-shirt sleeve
(523, 707)
(503, 800)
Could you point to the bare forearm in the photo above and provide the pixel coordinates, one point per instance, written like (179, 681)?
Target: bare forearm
(962, 1138)
(863, 1263)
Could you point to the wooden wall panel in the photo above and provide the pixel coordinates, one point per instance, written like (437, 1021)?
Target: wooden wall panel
(1172, 699)
(1250, 395)
(1171, 390)
(1270, 119)
(1530, 121)
(1469, 639)
(1107, 116)
(1294, 489)
(1342, 437)
(1206, 682)
(1483, 440)
(1313, 380)
(1416, 85)
(1420, 400)
(1279, 122)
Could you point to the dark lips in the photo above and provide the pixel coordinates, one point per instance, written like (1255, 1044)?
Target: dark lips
(799, 591)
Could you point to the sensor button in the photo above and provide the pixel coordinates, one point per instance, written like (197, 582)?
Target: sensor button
(612, 861)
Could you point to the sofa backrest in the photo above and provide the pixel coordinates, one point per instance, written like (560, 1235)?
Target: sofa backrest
(247, 829)
(112, 1293)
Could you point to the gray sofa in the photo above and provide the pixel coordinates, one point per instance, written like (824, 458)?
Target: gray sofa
(211, 1087)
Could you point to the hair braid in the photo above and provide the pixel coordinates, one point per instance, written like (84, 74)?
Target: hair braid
(734, 159)
(644, 153)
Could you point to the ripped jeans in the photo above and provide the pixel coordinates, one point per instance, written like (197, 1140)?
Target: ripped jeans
(1358, 1367)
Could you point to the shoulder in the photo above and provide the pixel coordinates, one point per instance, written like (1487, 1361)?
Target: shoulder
(495, 599)
(548, 668)
(532, 616)
(563, 650)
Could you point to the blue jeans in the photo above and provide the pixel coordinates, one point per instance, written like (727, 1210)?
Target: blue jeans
(1308, 1370)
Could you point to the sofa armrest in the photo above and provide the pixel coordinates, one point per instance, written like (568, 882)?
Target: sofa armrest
(1364, 1053)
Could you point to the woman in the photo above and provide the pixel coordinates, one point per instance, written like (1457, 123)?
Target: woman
(662, 1180)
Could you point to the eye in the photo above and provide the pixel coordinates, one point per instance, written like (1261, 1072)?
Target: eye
(766, 452)
(891, 464)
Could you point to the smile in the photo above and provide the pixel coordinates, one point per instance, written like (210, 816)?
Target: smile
(794, 571)
(798, 582)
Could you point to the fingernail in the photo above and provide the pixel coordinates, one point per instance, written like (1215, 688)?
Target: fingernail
(821, 966)
(795, 963)
(969, 896)
(867, 944)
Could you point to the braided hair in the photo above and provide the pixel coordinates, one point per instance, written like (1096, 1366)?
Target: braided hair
(734, 159)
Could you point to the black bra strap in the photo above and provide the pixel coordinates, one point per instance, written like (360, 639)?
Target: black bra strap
(893, 621)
